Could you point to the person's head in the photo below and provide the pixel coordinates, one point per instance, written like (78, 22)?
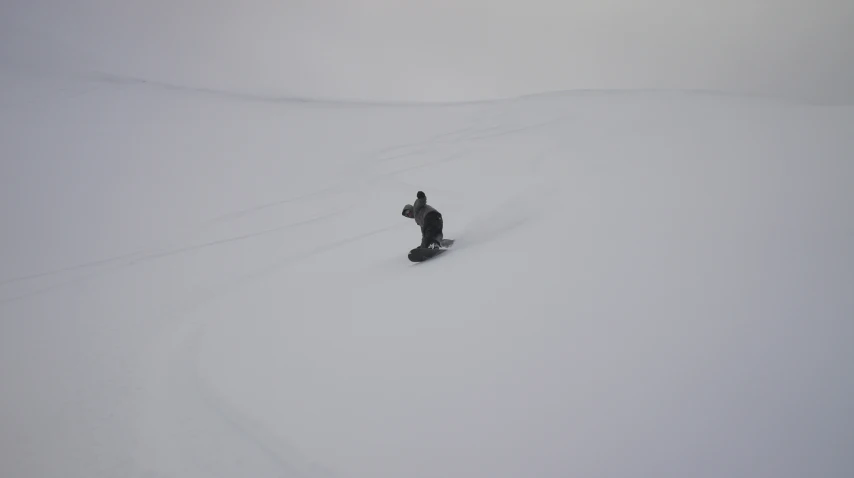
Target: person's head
(408, 211)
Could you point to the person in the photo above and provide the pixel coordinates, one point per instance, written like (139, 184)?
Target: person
(428, 218)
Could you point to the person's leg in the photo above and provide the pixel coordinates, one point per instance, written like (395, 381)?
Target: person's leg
(425, 231)
(432, 233)
(437, 230)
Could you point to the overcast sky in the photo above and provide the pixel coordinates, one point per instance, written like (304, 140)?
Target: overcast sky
(446, 49)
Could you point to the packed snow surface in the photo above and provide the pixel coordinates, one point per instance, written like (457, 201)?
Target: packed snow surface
(205, 283)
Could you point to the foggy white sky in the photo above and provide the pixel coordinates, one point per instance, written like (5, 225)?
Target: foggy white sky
(447, 49)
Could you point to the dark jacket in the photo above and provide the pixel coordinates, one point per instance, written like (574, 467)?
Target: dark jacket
(420, 209)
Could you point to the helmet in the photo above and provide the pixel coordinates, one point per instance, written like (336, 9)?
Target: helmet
(408, 211)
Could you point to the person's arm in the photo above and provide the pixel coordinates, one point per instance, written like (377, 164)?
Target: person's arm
(420, 201)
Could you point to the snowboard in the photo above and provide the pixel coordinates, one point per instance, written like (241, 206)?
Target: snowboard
(421, 254)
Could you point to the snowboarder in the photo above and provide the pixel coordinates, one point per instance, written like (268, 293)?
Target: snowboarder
(428, 218)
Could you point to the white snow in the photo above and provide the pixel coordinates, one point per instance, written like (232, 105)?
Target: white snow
(198, 283)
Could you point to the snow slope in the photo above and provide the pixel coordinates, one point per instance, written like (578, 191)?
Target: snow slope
(201, 283)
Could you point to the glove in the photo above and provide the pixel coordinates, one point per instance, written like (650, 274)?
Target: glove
(421, 195)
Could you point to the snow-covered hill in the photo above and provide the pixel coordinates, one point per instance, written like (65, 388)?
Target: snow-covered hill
(197, 283)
